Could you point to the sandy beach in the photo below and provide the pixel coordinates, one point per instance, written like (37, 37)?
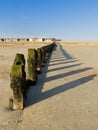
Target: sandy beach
(65, 96)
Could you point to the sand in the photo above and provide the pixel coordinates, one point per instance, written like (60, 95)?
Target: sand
(66, 94)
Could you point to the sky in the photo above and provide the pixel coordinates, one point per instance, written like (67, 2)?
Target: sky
(69, 20)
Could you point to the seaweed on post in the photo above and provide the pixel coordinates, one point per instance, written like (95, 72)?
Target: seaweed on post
(39, 60)
(17, 85)
(32, 65)
(43, 56)
(19, 59)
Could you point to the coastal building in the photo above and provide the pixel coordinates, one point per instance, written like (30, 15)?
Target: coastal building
(28, 39)
(8, 39)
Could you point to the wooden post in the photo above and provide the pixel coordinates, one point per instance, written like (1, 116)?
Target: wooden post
(39, 60)
(18, 85)
(18, 82)
(32, 65)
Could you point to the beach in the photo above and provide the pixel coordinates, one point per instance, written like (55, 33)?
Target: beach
(66, 94)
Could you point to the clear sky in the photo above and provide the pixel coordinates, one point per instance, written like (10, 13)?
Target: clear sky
(70, 20)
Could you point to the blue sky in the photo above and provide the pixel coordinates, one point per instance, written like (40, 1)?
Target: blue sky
(70, 20)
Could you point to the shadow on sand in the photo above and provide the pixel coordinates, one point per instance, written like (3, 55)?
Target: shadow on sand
(60, 63)
(35, 93)
(64, 67)
(65, 53)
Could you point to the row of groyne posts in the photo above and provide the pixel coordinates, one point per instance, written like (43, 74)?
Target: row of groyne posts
(18, 82)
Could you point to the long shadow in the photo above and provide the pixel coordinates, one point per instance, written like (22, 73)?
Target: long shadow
(65, 87)
(59, 60)
(65, 53)
(67, 74)
(65, 62)
(64, 67)
(56, 58)
(61, 89)
(35, 93)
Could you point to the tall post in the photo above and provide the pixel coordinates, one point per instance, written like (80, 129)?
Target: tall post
(18, 82)
(39, 60)
(32, 65)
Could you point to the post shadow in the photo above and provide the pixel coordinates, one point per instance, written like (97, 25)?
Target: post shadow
(67, 56)
(62, 75)
(65, 87)
(67, 61)
(60, 89)
(53, 59)
(64, 67)
(58, 60)
(35, 93)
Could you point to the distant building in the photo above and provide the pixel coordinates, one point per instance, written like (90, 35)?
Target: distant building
(31, 39)
(28, 39)
(8, 39)
(14, 39)
(39, 39)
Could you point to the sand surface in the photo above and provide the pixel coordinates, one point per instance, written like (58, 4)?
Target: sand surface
(66, 94)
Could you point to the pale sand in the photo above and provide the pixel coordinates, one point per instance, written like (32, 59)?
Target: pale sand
(66, 94)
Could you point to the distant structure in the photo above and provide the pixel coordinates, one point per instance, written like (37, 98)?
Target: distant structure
(28, 39)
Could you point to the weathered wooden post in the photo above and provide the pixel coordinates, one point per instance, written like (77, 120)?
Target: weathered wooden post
(43, 56)
(32, 65)
(47, 52)
(17, 85)
(39, 60)
(18, 82)
(19, 59)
